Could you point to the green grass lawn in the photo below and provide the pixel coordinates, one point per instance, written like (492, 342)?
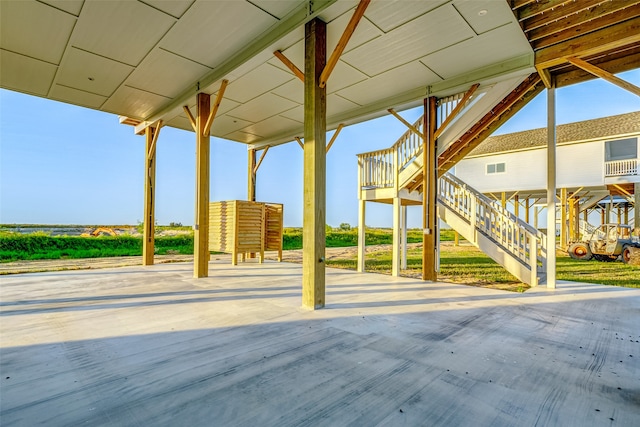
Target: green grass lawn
(468, 265)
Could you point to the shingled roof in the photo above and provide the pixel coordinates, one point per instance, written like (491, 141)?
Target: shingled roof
(571, 132)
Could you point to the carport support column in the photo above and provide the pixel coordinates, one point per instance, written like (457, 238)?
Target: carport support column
(361, 234)
(148, 242)
(551, 186)
(397, 230)
(636, 206)
(315, 124)
(251, 175)
(429, 180)
(201, 228)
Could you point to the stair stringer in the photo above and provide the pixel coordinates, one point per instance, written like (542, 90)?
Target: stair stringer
(487, 245)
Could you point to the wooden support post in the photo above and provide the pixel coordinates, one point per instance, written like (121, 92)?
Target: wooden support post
(576, 220)
(456, 238)
(361, 235)
(395, 247)
(429, 194)
(201, 232)
(618, 214)
(608, 210)
(563, 218)
(551, 186)
(516, 206)
(315, 124)
(251, 175)
(403, 238)
(503, 200)
(636, 206)
(603, 213)
(626, 213)
(536, 214)
(148, 242)
(527, 208)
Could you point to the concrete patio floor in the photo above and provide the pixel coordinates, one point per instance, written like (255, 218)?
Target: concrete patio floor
(151, 346)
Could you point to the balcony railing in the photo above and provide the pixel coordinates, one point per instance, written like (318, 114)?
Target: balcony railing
(621, 167)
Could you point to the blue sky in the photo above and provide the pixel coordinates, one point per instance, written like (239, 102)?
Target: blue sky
(62, 164)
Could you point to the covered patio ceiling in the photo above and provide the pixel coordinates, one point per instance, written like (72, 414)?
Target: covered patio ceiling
(146, 60)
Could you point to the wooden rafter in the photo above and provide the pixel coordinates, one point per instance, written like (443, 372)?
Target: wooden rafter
(216, 105)
(335, 135)
(264, 153)
(605, 75)
(536, 8)
(290, 65)
(608, 38)
(511, 104)
(561, 11)
(192, 119)
(406, 123)
(461, 104)
(599, 16)
(152, 149)
(342, 43)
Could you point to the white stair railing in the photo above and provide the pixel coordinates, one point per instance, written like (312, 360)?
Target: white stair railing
(511, 233)
(378, 169)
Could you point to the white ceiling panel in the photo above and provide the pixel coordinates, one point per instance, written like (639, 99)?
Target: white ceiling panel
(436, 30)
(337, 9)
(293, 90)
(139, 102)
(343, 76)
(484, 15)
(241, 136)
(25, 74)
(77, 97)
(296, 114)
(260, 80)
(365, 31)
(124, 31)
(390, 14)
(180, 122)
(262, 107)
(34, 29)
(337, 105)
(163, 73)
(72, 6)
(277, 124)
(91, 73)
(175, 8)
(394, 82)
(225, 125)
(294, 54)
(477, 52)
(277, 8)
(208, 31)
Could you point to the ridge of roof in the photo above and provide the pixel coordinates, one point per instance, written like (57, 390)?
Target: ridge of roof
(620, 124)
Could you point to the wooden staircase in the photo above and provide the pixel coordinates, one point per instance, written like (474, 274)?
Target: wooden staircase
(394, 175)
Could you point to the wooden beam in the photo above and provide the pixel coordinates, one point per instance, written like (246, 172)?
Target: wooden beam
(335, 135)
(299, 141)
(545, 75)
(314, 196)
(609, 38)
(596, 17)
(148, 233)
(411, 127)
(264, 153)
(151, 152)
(459, 106)
(605, 75)
(619, 62)
(560, 10)
(429, 196)
(201, 231)
(192, 120)
(342, 43)
(290, 65)
(251, 175)
(216, 105)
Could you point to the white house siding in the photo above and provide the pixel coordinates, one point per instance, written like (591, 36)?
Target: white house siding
(578, 165)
